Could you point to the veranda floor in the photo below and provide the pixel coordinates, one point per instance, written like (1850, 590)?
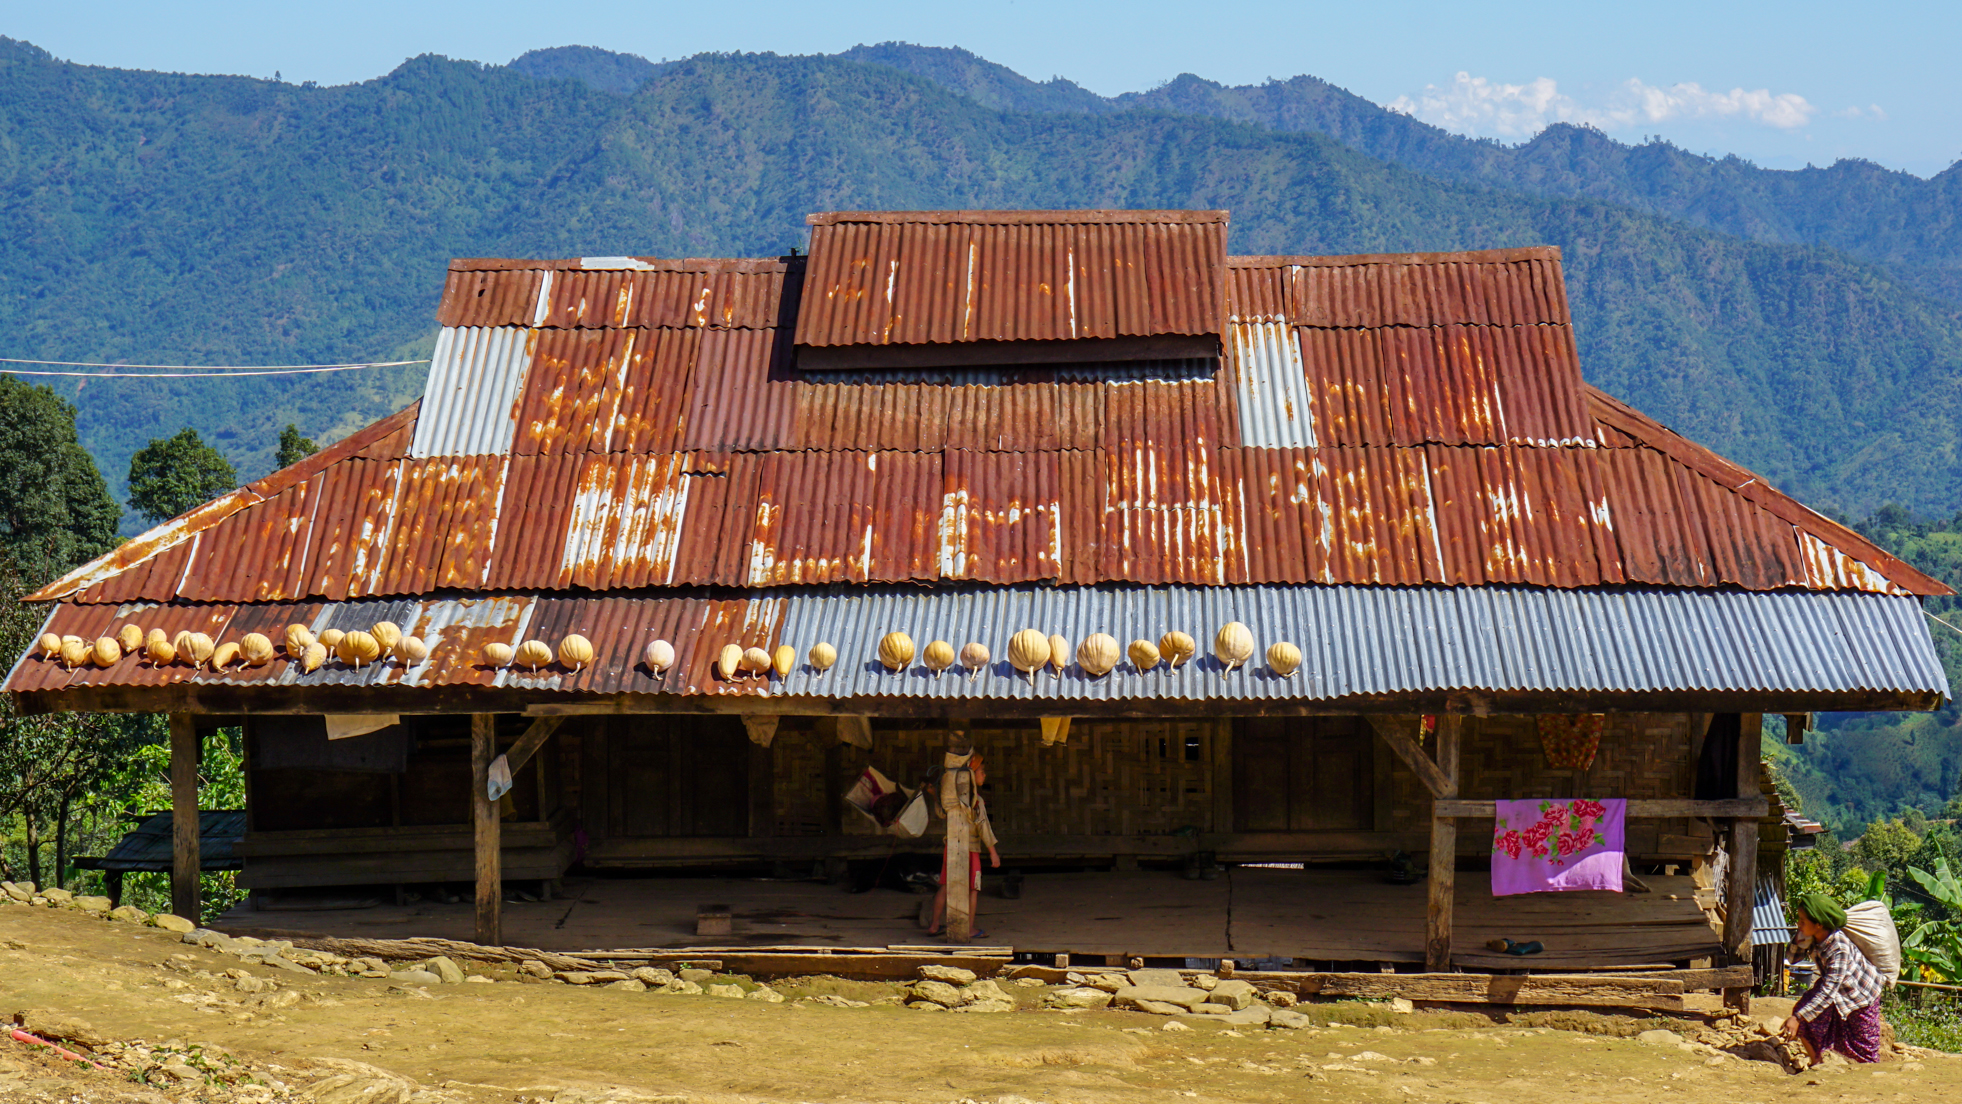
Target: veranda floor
(1313, 915)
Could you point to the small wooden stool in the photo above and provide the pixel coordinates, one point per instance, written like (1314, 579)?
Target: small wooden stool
(713, 920)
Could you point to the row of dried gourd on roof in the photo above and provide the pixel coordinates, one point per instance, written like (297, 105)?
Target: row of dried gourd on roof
(358, 648)
(1029, 651)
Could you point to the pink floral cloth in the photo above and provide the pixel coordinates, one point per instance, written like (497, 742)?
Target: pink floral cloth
(1547, 845)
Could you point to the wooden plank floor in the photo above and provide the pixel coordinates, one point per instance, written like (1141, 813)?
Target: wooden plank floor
(1352, 916)
(1321, 916)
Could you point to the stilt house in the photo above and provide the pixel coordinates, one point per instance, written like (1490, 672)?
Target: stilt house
(959, 425)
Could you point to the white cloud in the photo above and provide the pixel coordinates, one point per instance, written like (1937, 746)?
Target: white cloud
(1475, 105)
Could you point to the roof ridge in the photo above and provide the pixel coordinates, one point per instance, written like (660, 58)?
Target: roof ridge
(1754, 488)
(168, 535)
(1347, 260)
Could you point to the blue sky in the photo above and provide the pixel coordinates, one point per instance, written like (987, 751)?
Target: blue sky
(1783, 84)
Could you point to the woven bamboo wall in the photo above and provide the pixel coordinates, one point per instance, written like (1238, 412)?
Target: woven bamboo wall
(1111, 778)
(1642, 755)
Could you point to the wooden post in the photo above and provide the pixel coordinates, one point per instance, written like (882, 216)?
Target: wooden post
(184, 860)
(1741, 878)
(1444, 853)
(484, 821)
(959, 919)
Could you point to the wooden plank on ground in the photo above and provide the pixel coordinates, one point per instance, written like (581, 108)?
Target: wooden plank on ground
(1592, 990)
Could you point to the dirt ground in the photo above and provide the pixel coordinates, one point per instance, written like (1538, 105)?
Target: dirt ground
(351, 1040)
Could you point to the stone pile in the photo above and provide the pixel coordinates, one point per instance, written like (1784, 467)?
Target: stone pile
(1175, 993)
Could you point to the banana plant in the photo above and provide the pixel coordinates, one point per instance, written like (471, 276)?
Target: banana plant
(1936, 945)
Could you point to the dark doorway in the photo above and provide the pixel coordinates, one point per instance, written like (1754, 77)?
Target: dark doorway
(1302, 774)
(678, 776)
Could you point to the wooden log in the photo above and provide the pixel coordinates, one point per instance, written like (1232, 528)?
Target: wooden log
(535, 736)
(959, 919)
(1741, 878)
(1444, 853)
(185, 862)
(1638, 808)
(1434, 778)
(484, 815)
(1588, 990)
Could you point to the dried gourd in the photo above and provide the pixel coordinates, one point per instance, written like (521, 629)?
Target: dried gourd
(197, 649)
(358, 649)
(533, 654)
(106, 652)
(896, 651)
(576, 652)
(75, 652)
(729, 661)
(298, 636)
(50, 645)
(1234, 645)
(225, 655)
(1097, 654)
(784, 660)
(1284, 657)
(1028, 650)
(822, 656)
(181, 643)
(332, 638)
(160, 652)
(76, 639)
(1144, 655)
(1177, 647)
(658, 655)
(411, 650)
(939, 656)
(156, 634)
(316, 654)
(1059, 654)
(256, 649)
(756, 661)
(386, 633)
(496, 653)
(974, 657)
(131, 638)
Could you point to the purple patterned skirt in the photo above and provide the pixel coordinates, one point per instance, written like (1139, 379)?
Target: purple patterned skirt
(1857, 1035)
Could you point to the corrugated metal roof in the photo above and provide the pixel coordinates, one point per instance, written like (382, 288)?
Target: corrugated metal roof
(149, 845)
(1769, 924)
(937, 277)
(643, 426)
(1356, 641)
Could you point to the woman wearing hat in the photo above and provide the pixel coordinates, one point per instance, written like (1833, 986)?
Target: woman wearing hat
(1842, 1009)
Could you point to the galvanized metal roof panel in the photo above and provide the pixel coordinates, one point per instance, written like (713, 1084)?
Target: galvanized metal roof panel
(1356, 641)
(470, 402)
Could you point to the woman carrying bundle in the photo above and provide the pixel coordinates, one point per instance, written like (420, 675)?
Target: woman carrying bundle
(1842, 1009)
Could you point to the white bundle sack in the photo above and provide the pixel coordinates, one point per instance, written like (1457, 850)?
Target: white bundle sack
(1871, 928)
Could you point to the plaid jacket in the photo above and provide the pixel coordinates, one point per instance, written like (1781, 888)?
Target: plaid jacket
(1847, 981)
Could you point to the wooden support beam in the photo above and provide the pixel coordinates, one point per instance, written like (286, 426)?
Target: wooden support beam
(1656, 809)
(528, 744)
(484, 836)
(956, 881)
(185, 862)
(1434, 779)
(1741, 877)
(1444, 851)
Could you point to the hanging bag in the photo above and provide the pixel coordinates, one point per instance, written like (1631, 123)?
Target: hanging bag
(1870, 926)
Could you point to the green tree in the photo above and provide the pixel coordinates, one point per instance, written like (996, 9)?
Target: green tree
(171, 475)
(293, 448)
(55, 510)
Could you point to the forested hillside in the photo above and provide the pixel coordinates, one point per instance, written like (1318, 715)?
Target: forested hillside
(165, 218)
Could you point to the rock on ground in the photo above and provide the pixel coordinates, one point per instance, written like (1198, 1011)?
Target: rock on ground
(1081, 997)
(173, 923)
(59, 1027)
(1236, 995)
(952, 975)
(938, 992)
(1178, 995)
(733, 992)
(442, 967)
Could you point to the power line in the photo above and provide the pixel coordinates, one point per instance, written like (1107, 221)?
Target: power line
(191, 371)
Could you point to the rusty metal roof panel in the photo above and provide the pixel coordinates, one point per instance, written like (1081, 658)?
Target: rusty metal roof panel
(1510, 288)
(1270, 386)
(896, 278)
